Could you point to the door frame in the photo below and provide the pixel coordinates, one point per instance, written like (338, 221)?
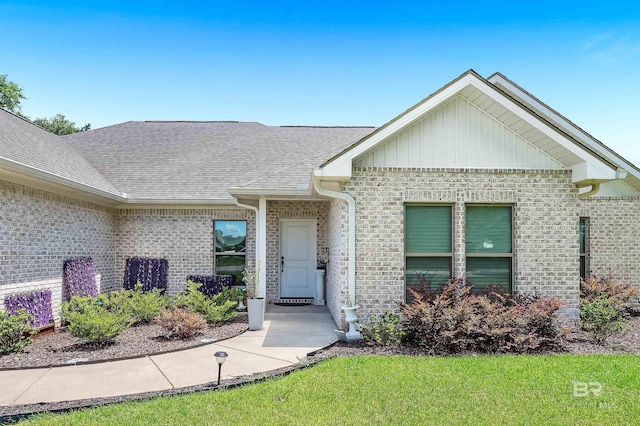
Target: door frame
(281, 242)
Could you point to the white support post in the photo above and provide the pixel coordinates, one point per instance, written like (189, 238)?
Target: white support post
(261, 249)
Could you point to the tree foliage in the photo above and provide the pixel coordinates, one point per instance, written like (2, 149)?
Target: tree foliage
(60, 125)
(10, 98)
(10, 94)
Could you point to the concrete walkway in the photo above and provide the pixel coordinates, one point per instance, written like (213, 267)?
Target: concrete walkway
(289, 334)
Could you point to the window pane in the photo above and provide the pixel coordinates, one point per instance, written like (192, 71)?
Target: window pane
(230, 265)
(435, 270)
(583, 267)
(230, 235)
(582, 235)
(488, 229)
(483, 272)
(428, 229)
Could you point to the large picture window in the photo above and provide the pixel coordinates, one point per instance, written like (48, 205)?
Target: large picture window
(428, 246)
(230, 241)
(489, 246)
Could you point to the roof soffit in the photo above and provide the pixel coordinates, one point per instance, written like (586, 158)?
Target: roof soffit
(514, 90)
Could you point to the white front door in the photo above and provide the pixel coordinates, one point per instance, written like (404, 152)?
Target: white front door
(297, 258)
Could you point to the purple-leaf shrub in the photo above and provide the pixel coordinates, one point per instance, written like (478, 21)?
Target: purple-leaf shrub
(80, 277)
(212, 284)
(36, 303)
(152, 273)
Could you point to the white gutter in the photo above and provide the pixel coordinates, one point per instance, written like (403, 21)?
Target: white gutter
(176, 201)
(351, 231)
(235, 191)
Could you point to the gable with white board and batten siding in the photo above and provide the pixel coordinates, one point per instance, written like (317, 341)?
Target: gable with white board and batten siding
(458, 134)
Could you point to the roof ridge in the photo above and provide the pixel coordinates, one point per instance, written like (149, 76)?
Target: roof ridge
(329, 127)
(196, 121)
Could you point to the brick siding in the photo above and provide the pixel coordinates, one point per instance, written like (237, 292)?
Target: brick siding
(39, 230)
(545, 228)
(182, 236)
(614, 236)
(337, 280)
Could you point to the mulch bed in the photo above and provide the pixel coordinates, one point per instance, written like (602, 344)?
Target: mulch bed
(145, 341)
(58, 348)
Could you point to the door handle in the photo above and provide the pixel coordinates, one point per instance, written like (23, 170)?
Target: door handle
(282, 264)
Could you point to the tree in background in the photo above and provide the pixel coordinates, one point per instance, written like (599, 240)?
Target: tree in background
(10, 95)
(10, 98)
(59, 125)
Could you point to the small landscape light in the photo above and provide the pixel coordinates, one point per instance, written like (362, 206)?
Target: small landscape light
(220, 358)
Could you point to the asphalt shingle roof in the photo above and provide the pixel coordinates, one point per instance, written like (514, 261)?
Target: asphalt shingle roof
(26, 144)
(201, 160)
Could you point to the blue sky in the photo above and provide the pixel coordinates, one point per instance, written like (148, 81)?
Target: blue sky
(318, 63)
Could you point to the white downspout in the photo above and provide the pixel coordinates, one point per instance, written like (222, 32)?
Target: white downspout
(261, 263)
(351, 233)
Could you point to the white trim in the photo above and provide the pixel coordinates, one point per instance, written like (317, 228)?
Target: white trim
(564, 123)
(21, 169)
(177, 206)
(342, 165)
(340, 168)
(269, 191)
(130, 202)
(261, 246)
(599, 169)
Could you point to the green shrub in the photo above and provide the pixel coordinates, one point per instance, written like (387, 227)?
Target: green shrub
(232, 294)
(619, 293)
(213, 310)
(457, 321)
(144, 306)
(15, 331)
(180, 323)
(148, 305)
(88, 318)
(601, 319)
(80, 303)
(605, 305)
(383, 331)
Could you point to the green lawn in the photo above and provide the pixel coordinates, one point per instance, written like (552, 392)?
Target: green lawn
(405, 390)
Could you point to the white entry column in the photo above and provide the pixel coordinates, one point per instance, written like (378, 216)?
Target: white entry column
(261, 252)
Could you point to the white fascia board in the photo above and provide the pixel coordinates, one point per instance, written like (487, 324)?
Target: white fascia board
(176, 201)
(565, 124)
(38, 174)
(269, 191)
(596, 165)
(341, 167)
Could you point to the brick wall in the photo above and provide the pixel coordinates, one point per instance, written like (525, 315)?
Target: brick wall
(40, 230)
(613, 236)
(290, 209)
(182, 236)
(545, 216)
(337, 269)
